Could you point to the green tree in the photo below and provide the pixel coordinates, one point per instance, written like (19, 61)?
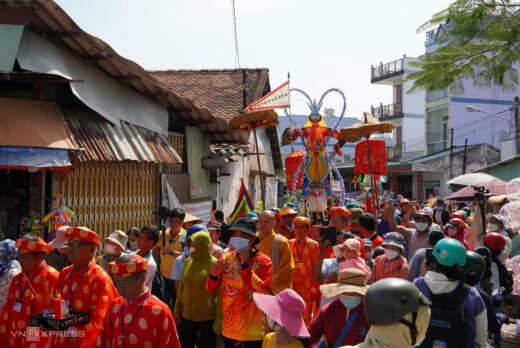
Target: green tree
(481, 43)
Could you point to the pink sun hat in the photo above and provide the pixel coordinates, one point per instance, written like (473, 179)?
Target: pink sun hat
(286, 309)
(60, 241)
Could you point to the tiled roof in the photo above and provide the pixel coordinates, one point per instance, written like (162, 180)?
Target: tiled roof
(229, 151)
(219, 91)
(222, 93)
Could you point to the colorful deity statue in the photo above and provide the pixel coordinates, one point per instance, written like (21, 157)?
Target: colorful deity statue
(316, 165)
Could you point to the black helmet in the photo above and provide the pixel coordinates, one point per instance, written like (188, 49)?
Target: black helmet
(475, 268)
(388, 300)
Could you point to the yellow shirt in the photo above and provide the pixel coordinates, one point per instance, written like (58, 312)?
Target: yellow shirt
(167, 261)
(269, 342)
(282, 278)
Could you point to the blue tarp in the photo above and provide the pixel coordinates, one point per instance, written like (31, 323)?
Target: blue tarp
(19, 157)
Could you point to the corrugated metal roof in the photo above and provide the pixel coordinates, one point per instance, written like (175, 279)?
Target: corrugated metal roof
(437, 155)
(105, 142)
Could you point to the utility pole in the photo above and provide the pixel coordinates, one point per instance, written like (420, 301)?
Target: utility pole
(465, 156)
(517, 126)
(451, 152)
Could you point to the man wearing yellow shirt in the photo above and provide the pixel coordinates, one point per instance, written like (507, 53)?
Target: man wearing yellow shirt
(283, 262)
(170, 252)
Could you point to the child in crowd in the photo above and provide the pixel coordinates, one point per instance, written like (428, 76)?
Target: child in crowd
(392, 264)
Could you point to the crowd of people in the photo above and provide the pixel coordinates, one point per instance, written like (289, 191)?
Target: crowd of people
(412, 276)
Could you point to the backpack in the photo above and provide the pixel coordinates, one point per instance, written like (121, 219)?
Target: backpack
(448, 323)
(158, 288)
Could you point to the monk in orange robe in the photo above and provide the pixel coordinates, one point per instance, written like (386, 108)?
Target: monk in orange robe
(137, 316)
(85, 287)
(29, 294)
(305, 253)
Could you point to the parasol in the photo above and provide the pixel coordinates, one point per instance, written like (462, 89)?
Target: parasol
(495, 187)
(252, 121)
(471, 179)
(365, 129)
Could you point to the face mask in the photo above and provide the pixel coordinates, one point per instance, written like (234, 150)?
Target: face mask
(337, 251)
(492, 227)
(186, 251)
(391, 254)
(192, 249)
(110, 249)
(133, 245)
(368, 254)
(349, 301)
(421, 226)
(273, 325)
(239, 243)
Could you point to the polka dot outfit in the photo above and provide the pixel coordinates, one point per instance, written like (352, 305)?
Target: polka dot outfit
(153, 326)
(93, 293)
(13, 317)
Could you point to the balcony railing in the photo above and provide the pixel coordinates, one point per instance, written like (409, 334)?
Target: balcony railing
(436, 142)
(387, 110)
(394, 152)
(436, 95)
(387, 69)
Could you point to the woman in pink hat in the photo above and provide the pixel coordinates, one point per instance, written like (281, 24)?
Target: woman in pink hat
(284, 316)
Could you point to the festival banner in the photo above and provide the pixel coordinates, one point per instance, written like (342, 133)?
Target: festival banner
(244, 205)
(276, 99)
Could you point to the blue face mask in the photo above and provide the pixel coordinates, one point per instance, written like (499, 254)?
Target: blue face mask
(239, 243)
(186, 251)
(349, 301)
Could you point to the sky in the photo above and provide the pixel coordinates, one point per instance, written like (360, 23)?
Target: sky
(322, 44)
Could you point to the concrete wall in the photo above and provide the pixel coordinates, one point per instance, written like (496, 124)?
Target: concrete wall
(413, 133)
(477, 157)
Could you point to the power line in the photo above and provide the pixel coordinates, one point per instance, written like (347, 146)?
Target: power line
(237, 57)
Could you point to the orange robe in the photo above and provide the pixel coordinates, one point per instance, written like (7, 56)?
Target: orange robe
(93, 292)
(15, 318)
(305, 255)
(152, 326)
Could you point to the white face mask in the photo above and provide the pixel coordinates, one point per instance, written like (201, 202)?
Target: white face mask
(391, 254)
(421, 226)
(337, 251)
(492, 227)
(192, 249)
(110, 249)
(349, 301)
(272, 324)
(133, 245)
(368, 254)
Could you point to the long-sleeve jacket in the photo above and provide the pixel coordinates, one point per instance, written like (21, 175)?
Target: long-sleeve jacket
(242, 320)
(194, 302)
(396, 268)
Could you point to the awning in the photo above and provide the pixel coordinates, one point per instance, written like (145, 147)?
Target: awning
(33, 158)
(32, 123)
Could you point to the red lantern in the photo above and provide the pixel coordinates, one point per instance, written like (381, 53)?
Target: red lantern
(377, 155)
(292, 162)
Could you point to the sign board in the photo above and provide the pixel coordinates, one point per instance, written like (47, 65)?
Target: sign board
(201, 210)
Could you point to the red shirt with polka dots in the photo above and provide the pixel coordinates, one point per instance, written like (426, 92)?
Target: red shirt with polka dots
(146, 321)
(90, 290)
(23, 302)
